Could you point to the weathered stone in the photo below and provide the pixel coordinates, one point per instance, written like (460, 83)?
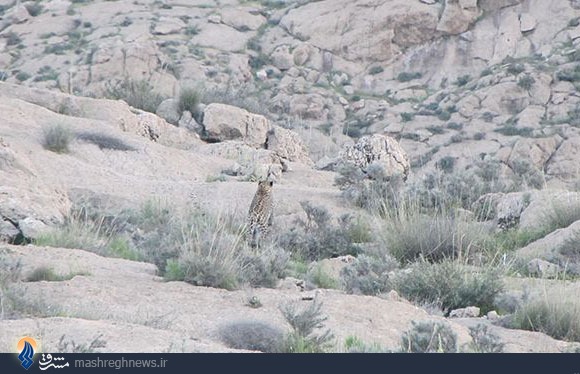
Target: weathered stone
(543, 269)
(301, 54)
(455, 18)
(169, 111)
(527, 22)
(225, 122)
(380, 150)
(8, 232)
(287, 144)
(468, 312)
(32, 228)
(564, 161)
(510, 208)
(282, 58)
(535, 151)
(492, 315)
(167, 26)
(241, 19)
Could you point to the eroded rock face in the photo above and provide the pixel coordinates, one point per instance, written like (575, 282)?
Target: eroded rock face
(225, 122)
(378, 150)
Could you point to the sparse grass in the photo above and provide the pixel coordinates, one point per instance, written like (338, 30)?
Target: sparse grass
(554, 314)
(192, 30)
(12, 38)
(241, 96)
(137, 93)
(44, 273)
(429, 337)
(450, 285)
(70, 346)
(57, 139)
(104, 141)
(446, 164)
(253, 336)
(10, 274)
(512, 130)
(21, 76)
(407, 117)
(515, 68)
(353, 344)
(321, 279)
(46, 73)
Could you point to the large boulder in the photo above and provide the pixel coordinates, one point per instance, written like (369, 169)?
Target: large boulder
(458, 16)
(223, 122)
(287, 144)
(378, 150)
(564, 161)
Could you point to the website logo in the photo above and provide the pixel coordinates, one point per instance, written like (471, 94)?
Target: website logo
(26, 346)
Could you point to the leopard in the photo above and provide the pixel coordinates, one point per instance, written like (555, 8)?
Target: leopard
(261, 213)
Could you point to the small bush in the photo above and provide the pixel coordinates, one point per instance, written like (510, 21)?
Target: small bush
(305, 322)
(192, 30)
(138, 94)
(21, 76)
(511, 130)
(70, 346)
(12, 38)
(554, 314)
(252, 335)
(479, 136)
(321, 279)
(483, 341)
(429, 337)
(446, 164)
(407, 117)
(104, 141)
(526, 82)
(515, 69)
(406, 77)
(463, 80)
(376, 70)
(57, 139)
(353, 344)
(485, 72)
(368, 275)
(454, 126)
(444, 115)
(188, 100)
(450, 285)
(574, 22)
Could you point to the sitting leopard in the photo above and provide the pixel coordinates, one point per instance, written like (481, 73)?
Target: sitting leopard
(261, 213)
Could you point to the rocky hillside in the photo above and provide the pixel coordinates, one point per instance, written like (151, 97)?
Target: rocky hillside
(413, 143)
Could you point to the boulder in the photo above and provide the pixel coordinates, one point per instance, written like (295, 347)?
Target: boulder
(169, 111)
(564, 161)
(457, 16)
(225, 122)
(543, 269)
(8, 232)
(535, 151)
(510, 208)
(32, 228)
(282, 58)
(287, 144)
(527, 22)
(241, 19)
(468, 312)
(380, 150)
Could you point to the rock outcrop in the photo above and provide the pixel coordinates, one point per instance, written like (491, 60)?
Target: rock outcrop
(379, 150)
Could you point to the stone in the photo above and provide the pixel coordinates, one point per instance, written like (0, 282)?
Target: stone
(327, 163)
(509, 209)
(492, 315)
(241, 19)
(187, 121)
(542, 268)
(8, 232)
(262, 75)
(282, 58)
(301, 54)
(169, 111)
(168, 26)
(379, 150)
(455, 18)
(32, 228)
(564, 161)
(214, 18)
(287, 144)
(468, 312)
(535, 151)
(223, 122)
(527, 22)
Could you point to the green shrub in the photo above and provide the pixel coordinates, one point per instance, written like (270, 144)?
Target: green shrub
(321, 279)
(368, 275)
(305, 322)
(444, 115)
(515, 68)
(57, 139)
(22, 76)
(446, 164)
(574, 22)
(429, 337)
(407, 117)
(511, 130)
(454, 126)
(463, 80)
(317, 237)
(44, 273)
(485, 72)
(450, 285)
(253, 336)
(376, 70)
(12, 38)
(483, 341)
(104, 141)
(188, 100)
(192, 30)
(34, 9)
(406, 77)
(526, 82)
(138, 94)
